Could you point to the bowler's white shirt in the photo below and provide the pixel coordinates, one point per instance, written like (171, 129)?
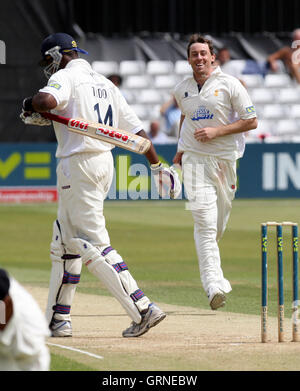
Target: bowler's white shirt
(220, 96)
(23, 340)
(81, 92)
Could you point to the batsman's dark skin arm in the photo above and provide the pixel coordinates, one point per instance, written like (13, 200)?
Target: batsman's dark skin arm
(45, 102)
(151, 155)
(8, 310)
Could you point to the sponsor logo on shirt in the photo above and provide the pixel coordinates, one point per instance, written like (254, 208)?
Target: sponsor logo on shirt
(250, 109)
(55, 85)
(202, 113)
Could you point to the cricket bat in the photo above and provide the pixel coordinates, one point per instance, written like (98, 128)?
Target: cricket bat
(120, 138)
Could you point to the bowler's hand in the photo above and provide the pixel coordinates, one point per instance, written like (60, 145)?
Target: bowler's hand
(177, 158)
(205, 134)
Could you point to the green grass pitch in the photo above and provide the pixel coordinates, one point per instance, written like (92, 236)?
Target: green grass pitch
(155, 238)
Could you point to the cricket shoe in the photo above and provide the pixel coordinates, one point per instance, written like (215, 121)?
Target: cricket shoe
(61, 328)
(216, 298)
(151, 318)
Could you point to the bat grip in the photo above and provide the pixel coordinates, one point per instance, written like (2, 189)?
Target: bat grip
(55, 117)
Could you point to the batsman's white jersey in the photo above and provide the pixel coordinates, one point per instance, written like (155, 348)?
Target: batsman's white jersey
(85, 169)
(23, 340)
(84, 176)
(81, 92)
(209, 168)
(220, 96)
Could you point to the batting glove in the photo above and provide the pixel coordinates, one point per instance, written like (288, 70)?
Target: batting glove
(34, 119)
(166, 180)
(30, 117)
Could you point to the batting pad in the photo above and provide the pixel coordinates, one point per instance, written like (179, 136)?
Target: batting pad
(106, 273)
(65, 275)
(128, 282)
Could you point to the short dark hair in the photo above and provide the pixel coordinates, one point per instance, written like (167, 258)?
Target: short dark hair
(116, 77)
(223, 48)
(197, 38)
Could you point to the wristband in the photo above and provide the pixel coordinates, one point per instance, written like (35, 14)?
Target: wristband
(27, 104)
(155, 165)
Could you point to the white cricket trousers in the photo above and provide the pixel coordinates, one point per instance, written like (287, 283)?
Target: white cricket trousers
(210, 185)
(83, 181)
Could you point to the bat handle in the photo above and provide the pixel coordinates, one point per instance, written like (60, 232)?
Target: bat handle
(55, 117)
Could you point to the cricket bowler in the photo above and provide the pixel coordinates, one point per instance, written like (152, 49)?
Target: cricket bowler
(211, 140)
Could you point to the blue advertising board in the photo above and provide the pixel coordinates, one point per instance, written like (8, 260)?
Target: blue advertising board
(27, 164)
(266, 170)
(269, 170)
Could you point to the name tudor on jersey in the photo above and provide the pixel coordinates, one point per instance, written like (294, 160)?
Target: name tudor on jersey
(109, 133)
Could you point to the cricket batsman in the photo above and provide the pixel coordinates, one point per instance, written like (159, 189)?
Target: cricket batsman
(84, 175)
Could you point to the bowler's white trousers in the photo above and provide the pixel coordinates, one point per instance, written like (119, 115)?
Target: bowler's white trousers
(210, 185)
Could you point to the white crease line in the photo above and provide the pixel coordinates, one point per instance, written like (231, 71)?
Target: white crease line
(76, 350)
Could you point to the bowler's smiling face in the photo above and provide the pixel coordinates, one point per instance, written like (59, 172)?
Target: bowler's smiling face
(200, 59)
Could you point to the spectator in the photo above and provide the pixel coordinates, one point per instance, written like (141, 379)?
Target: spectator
(171, 114)
(116, 79)
(223, 57)
(156, 135)
(23, 331)
(289, 57)
(228, 66)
